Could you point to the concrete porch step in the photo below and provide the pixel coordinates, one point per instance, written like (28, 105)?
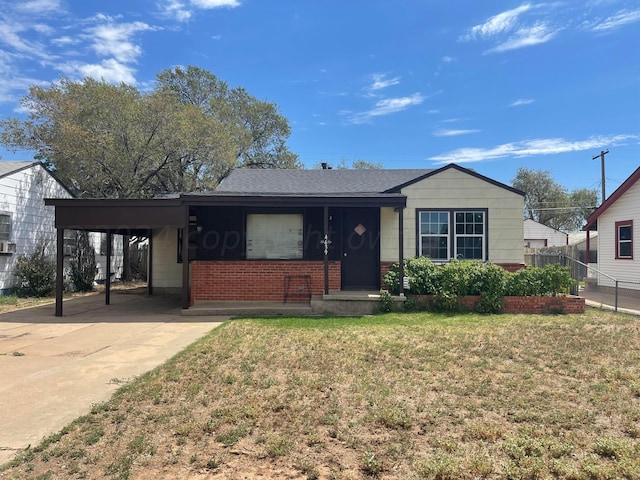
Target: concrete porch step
(234, 308)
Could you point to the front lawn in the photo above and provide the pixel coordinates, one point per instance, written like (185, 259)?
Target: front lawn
(396, 396)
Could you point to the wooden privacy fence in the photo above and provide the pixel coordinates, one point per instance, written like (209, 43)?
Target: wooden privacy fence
(565, 255)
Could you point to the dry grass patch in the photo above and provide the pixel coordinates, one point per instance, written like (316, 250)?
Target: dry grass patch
(417, 396)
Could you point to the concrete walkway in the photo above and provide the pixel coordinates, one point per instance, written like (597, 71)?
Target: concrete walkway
(607, 301)
(53, 369)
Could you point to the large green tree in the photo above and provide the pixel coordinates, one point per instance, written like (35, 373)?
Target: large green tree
(549, 203)
(115, 141)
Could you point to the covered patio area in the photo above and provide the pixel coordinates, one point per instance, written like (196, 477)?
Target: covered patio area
(339, 239)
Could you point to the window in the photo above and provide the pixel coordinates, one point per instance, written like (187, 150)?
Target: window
(274, 236)
(5, 227)
(470, 235)
(446, 234)
(434, 235)
(70, 243)
(624, 240)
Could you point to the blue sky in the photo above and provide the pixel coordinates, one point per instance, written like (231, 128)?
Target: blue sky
(409, 83)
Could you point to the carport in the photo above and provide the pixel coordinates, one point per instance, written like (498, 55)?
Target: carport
(190, 214)
(119, 217)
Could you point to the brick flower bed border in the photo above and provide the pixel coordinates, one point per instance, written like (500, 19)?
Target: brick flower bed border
(560, 304)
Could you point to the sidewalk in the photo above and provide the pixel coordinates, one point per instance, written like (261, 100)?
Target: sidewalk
(607, 301)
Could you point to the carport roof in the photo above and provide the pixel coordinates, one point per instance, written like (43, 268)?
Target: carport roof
(137, 216)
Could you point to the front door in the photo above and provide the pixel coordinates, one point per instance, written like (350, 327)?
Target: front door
(361, 249)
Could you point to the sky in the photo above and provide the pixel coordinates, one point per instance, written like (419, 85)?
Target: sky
(487, 85)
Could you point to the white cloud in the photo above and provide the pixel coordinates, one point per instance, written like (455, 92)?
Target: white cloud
(453, 133)
(38, 7)
(522, 101)
(380, 82)
(65, 40)
(618, 20)
(526, 148)
(387, 107)
(11, 35)
(526, 37)
(110, 70)
(208, 4)
(175, 9)
(183, 12)
(502, 22)
(114, 39)
(512, 30)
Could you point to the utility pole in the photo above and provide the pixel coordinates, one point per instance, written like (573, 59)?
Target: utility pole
(601, 156)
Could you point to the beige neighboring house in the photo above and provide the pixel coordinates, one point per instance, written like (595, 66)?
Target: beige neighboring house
(617, 222)
(266, 234)
(537, 235)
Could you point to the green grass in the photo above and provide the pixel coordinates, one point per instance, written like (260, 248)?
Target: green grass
(394, 396)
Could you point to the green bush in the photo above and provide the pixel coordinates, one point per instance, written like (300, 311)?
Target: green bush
(83, 266)
(537, 282)
(36, 273)
(472, 277)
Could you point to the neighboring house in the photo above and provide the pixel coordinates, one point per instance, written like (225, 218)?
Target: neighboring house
(24, 218)
(578, 240)
(617, 221)
(537, 235)
(264, 231)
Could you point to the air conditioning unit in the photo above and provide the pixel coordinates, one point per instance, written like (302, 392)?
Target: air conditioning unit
(7, 247)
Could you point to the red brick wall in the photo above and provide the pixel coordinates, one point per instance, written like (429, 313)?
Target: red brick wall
(512, 267)
(258, 280)
(562, 304)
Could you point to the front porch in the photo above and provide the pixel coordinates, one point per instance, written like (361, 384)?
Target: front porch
(335, 303)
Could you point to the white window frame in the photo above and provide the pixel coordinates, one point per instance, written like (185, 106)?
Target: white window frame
(422, 235)
(452, 236)
(482, 235)
(9, 222)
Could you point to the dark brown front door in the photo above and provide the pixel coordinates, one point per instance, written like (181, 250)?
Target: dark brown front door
(361, 249)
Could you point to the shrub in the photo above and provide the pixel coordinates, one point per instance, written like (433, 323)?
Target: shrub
(83, 266)
(534, 281)
(36, 272)
(422, 273)
(472, 277)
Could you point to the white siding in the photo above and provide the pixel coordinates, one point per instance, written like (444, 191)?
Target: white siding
(22, 195)
(167, 272)
(627, 207)
(101, 260)
(449, 189)
(535, 234)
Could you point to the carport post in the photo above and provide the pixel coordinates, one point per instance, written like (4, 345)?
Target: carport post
(107, 282)
(150, 264)
(400, 211)
(326, 250)
(185, 262)
(59, 270)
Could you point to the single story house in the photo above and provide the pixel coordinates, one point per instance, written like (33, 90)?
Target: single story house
(268, 234)
(25, 220)
(617, 222)
(538, 235)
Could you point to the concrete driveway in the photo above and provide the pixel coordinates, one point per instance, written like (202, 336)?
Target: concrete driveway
(53, 369)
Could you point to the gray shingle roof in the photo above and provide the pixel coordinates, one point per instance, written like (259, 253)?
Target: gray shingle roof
(262, 181)
(10, 166)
